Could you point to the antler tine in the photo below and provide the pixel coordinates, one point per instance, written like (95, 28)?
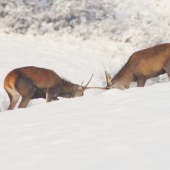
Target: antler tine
(82, 83)
(89, 81)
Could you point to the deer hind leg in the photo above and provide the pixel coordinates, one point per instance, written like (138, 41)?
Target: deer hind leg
(25, 100)
(26, 88)
(13, 96)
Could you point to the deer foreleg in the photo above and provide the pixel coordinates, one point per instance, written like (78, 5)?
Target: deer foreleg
(167, 68)
(49, 95)
(141, 82)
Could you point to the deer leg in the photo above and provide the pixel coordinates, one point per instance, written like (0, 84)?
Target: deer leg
(167, 68)
(26, 89)
(14, 97)
(141, 82)
(49, 95)
(26, 98)
(24, 102)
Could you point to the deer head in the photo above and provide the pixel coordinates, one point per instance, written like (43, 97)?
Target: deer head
(111, 83)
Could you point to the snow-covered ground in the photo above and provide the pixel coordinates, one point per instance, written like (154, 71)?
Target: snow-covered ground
(103, 130)
(111, 129)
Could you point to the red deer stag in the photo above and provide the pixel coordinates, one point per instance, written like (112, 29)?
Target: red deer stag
(142, 65)
(33, 82)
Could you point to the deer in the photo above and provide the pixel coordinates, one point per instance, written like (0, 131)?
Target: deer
(142, 65)
(33, 82)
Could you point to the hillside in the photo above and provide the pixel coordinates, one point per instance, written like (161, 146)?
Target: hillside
(103, 130)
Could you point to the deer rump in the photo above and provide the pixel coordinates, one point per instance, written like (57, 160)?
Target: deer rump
(142, 65)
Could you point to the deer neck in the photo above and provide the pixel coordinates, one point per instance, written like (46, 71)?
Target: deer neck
(68, 89)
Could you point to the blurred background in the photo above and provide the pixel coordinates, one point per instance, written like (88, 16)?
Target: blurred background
(140, 23)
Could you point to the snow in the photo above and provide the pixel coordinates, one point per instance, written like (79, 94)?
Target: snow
(141, 23)
(104, 129)
(111, 129)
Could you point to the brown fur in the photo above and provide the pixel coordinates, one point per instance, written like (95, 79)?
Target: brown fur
(33, 82)
(142, 65)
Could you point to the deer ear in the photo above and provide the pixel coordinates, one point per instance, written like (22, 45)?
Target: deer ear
(108, 79)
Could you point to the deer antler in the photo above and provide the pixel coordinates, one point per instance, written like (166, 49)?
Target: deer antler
(82, 83)
(89, 81)
(108, 79)
(94, 87)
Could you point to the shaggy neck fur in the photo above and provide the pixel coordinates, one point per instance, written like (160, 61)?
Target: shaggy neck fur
(68, 89)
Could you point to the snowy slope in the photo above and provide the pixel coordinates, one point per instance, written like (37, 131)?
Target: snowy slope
(103, 130)
(114, 130)
(111, 129)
